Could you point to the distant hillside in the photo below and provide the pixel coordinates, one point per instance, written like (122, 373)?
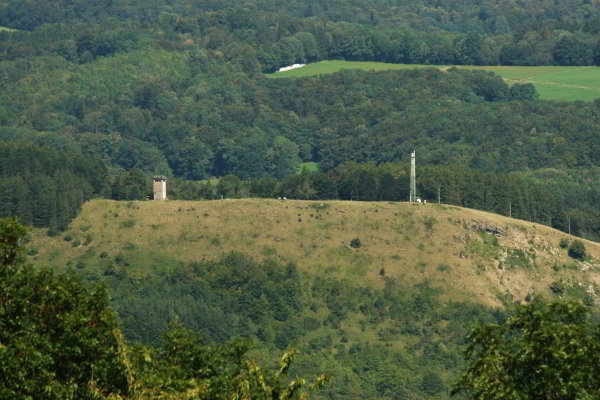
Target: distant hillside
(551, 82)
(389, 288)
(410, 242)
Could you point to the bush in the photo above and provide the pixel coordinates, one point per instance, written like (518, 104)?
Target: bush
(564, 243)
(429, 222)
(355, 243)
(431, 383)
(128, 223)
(577, 250)
(68, 238)
(442, 268)
(88, 240)
(382, 272)
(120, 260)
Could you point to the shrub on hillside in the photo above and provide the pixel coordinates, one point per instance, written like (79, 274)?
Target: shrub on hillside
(355, 243)
(128, 223)
(577, 250)
(431, 383)
(120, 260)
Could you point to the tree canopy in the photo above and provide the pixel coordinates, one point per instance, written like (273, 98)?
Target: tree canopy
(544, 351)
(59, 339)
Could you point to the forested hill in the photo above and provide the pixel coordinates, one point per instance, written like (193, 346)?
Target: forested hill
(482, 32)
(177, 88)
(46, 188)
(379, 295)
(96, 97)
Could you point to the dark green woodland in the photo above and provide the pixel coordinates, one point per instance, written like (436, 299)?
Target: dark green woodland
(97, 97)
(177, 88)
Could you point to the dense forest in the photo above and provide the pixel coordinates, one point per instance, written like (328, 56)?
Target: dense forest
(96, 97)
(176, 88)
(239, 298)
(46, 188)
(273, 33)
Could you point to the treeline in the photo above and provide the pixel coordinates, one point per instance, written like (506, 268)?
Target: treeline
(231, 298)
(506, 194)
(45, 188)
(263, 36)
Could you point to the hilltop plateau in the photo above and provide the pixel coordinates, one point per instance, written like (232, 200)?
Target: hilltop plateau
(468, 254)
(381, 295)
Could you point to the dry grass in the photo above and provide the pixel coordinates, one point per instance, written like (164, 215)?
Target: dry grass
(408, 241)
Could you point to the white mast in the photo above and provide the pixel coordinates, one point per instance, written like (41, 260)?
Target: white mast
(413, 179)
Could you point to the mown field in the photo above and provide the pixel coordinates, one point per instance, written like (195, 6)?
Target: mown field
(552, 83)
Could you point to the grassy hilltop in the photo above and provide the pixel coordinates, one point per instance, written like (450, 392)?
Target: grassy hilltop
(379, 295)
(436, 243)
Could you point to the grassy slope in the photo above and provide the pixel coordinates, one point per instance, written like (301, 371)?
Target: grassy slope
(3, 28)
(553, 83)
(413, 243)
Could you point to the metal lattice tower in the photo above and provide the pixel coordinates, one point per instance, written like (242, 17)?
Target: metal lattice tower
(413, 179)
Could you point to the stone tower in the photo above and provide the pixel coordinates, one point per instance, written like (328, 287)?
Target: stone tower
(160, 187)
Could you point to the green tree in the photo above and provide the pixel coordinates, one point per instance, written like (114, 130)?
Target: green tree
(285, 157)
(467, 49)
(58, 339)
(571, 51)
(597, 54)
(256, 383)
(543, 352)
(577, 250)
(523, 91)
(11, 236)
(185, 365)
(130, 185)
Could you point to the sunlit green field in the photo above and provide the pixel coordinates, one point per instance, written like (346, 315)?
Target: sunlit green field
(3, 28)
(307, 166)
(552, 83)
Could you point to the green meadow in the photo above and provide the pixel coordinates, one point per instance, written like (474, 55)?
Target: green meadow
(3, 28)
(308, 167)
(551, 82)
